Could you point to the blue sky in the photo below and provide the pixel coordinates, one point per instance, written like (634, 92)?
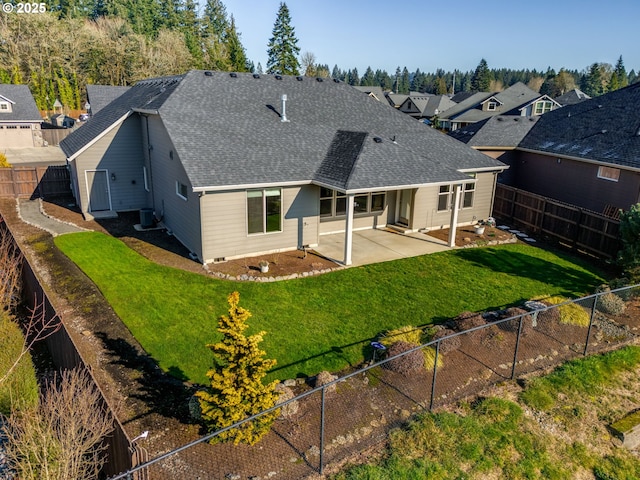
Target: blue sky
(437, 34)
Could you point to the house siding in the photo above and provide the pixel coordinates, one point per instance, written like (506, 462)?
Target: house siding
(180, 216)
(224, 224)
(119, 153)
(571, 181)
(426, 214)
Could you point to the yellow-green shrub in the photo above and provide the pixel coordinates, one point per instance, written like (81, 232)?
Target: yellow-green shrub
(20, 389)
(407, 334)
(4, 163)
(570, 313)
(414, 336)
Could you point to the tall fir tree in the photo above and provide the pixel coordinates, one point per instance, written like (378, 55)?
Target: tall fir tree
(593, 84)
(619, 77)
(236, 391)
(283, 49)
(214, 20)
(237, 55)
(481, 79)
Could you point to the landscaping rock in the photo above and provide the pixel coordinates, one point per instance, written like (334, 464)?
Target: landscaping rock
(324, 378)
(406, 364)
(450, 344)
(290, 409)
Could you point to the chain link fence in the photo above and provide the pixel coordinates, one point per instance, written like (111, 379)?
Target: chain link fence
(322, 428)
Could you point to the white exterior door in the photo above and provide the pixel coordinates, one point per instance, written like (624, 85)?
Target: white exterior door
(98, 188)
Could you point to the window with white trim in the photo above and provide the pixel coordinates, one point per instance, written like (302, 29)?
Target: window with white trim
(4, 106)
(543, 106)
(609, 173)
(445, 196)
(334, 203)
(468, 194)
(264, 210)
(491, 106)
(181, 190)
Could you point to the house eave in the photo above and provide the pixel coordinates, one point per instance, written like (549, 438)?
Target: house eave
(484, 169)
(579, 159)
(145, 111)
(246, 186)
(99, 136)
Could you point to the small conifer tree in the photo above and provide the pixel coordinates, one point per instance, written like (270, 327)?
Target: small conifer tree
(237, 391)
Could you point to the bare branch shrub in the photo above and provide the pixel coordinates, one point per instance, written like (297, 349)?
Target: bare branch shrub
(64, 437)
(10, 272)
(36, 327)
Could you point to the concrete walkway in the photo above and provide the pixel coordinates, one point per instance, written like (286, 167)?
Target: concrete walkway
(373, 246)
(30, 211)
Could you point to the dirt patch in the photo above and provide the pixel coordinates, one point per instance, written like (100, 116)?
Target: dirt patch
(467, 236)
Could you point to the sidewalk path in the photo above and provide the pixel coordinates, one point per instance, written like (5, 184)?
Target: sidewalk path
(30, 211)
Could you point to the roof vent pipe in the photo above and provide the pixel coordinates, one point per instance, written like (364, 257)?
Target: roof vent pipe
(284, 109)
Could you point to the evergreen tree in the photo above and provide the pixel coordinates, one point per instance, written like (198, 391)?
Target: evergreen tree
(236, 390)
(237, 55)
(481, 79)
(619, 77)
(368, 79)
(259, 69)
(283, 46)
(593, 81)
(215, 21)
(405, 83)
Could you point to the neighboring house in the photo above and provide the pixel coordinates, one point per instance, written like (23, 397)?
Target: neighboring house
(374, 92)
(518, 99)
(99, 96)
(396, 99)
(426, 106)
(20, 118)
(240, 164)
(572, 97)
(497, 137)
(586, 154)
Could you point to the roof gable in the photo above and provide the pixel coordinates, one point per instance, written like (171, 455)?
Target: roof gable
(23, 106)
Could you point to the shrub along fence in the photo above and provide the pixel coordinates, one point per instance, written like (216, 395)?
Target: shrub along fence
(569, 225)
(65, 355)
(322, 427)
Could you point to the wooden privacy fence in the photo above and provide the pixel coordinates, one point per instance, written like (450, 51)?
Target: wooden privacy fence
(65, 355)
(572, 226)
(35, 182)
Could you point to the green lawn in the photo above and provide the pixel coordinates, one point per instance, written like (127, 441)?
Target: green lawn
(316, 323)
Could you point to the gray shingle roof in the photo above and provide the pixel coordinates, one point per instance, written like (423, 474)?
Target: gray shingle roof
(605, 129)
(512, 98)
(23, 105)
(572, 97)
(99, 96)
(228, 131)
(505, 131)
(139, 96)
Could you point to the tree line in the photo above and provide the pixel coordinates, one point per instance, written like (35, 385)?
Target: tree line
(119, 42)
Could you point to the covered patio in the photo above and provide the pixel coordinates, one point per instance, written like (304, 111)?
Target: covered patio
(379, 245)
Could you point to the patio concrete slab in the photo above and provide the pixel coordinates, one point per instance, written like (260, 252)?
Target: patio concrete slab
(379, 245)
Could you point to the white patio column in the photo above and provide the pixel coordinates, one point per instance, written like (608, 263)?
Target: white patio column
(454, 215)
(348, 230)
